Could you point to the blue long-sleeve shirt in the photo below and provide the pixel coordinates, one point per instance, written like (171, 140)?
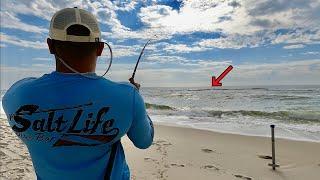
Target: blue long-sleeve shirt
(69, 123)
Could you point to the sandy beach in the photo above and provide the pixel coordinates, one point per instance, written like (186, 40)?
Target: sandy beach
(185, 153)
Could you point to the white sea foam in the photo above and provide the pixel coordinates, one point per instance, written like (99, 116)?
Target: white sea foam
(2, 113)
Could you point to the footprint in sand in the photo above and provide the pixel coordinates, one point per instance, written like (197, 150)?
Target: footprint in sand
(149, 159)
(161, 146)
(162, 165)
(161, 142)
(177, 165)
(211, 167)
(242, 177)
(264, 157)
(207, 150)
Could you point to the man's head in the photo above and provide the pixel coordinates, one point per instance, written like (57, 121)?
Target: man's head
(76, 39)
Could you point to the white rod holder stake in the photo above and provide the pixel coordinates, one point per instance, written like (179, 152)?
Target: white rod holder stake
(274, 165)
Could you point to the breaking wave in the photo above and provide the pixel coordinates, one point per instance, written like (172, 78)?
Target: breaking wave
(228, 89)
(158, 107)
(294, 116)
(305, 116)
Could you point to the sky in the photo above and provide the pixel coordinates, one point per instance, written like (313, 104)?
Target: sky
(267, 42)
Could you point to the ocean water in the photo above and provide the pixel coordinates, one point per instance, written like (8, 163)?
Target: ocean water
(295, 110)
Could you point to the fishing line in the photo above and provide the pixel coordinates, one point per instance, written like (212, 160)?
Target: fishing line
(107, 70)
(85, 74)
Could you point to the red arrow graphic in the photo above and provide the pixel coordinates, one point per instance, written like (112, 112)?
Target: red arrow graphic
(216, 82)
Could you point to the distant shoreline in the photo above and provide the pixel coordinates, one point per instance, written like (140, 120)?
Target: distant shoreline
(226, 86)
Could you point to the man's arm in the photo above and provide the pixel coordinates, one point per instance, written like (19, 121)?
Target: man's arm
(8, 100)
(141, 131)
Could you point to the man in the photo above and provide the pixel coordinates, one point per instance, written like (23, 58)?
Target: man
(72, 122)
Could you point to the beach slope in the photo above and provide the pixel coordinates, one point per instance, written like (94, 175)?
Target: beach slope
(184, 153)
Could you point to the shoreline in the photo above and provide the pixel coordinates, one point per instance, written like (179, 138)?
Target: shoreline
(224, 132)
(233, 133)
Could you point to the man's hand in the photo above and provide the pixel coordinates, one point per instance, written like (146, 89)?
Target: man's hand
(137, 85)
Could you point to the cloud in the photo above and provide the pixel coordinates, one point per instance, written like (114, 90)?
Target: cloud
(192, 16)
(199, 74)
(234, 4)
(234, 42)
(12, 22)
(240, 24)
(304, 72)
(158, 58)
(294, 46)
(243, 21)
(205, 16)
(41, 65)
(22, 43)
(159, 61)
(264, 7)
(183, 48)
(264, 23)
(210, 64)
(105, 11)
(122, 50)
(42, 59)
(40, 8)
(311, 53)
(311, 36)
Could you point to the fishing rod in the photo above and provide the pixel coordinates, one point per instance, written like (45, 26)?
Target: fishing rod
(137, 63)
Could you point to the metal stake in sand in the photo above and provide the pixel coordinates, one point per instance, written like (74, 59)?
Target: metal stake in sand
(274, 165)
